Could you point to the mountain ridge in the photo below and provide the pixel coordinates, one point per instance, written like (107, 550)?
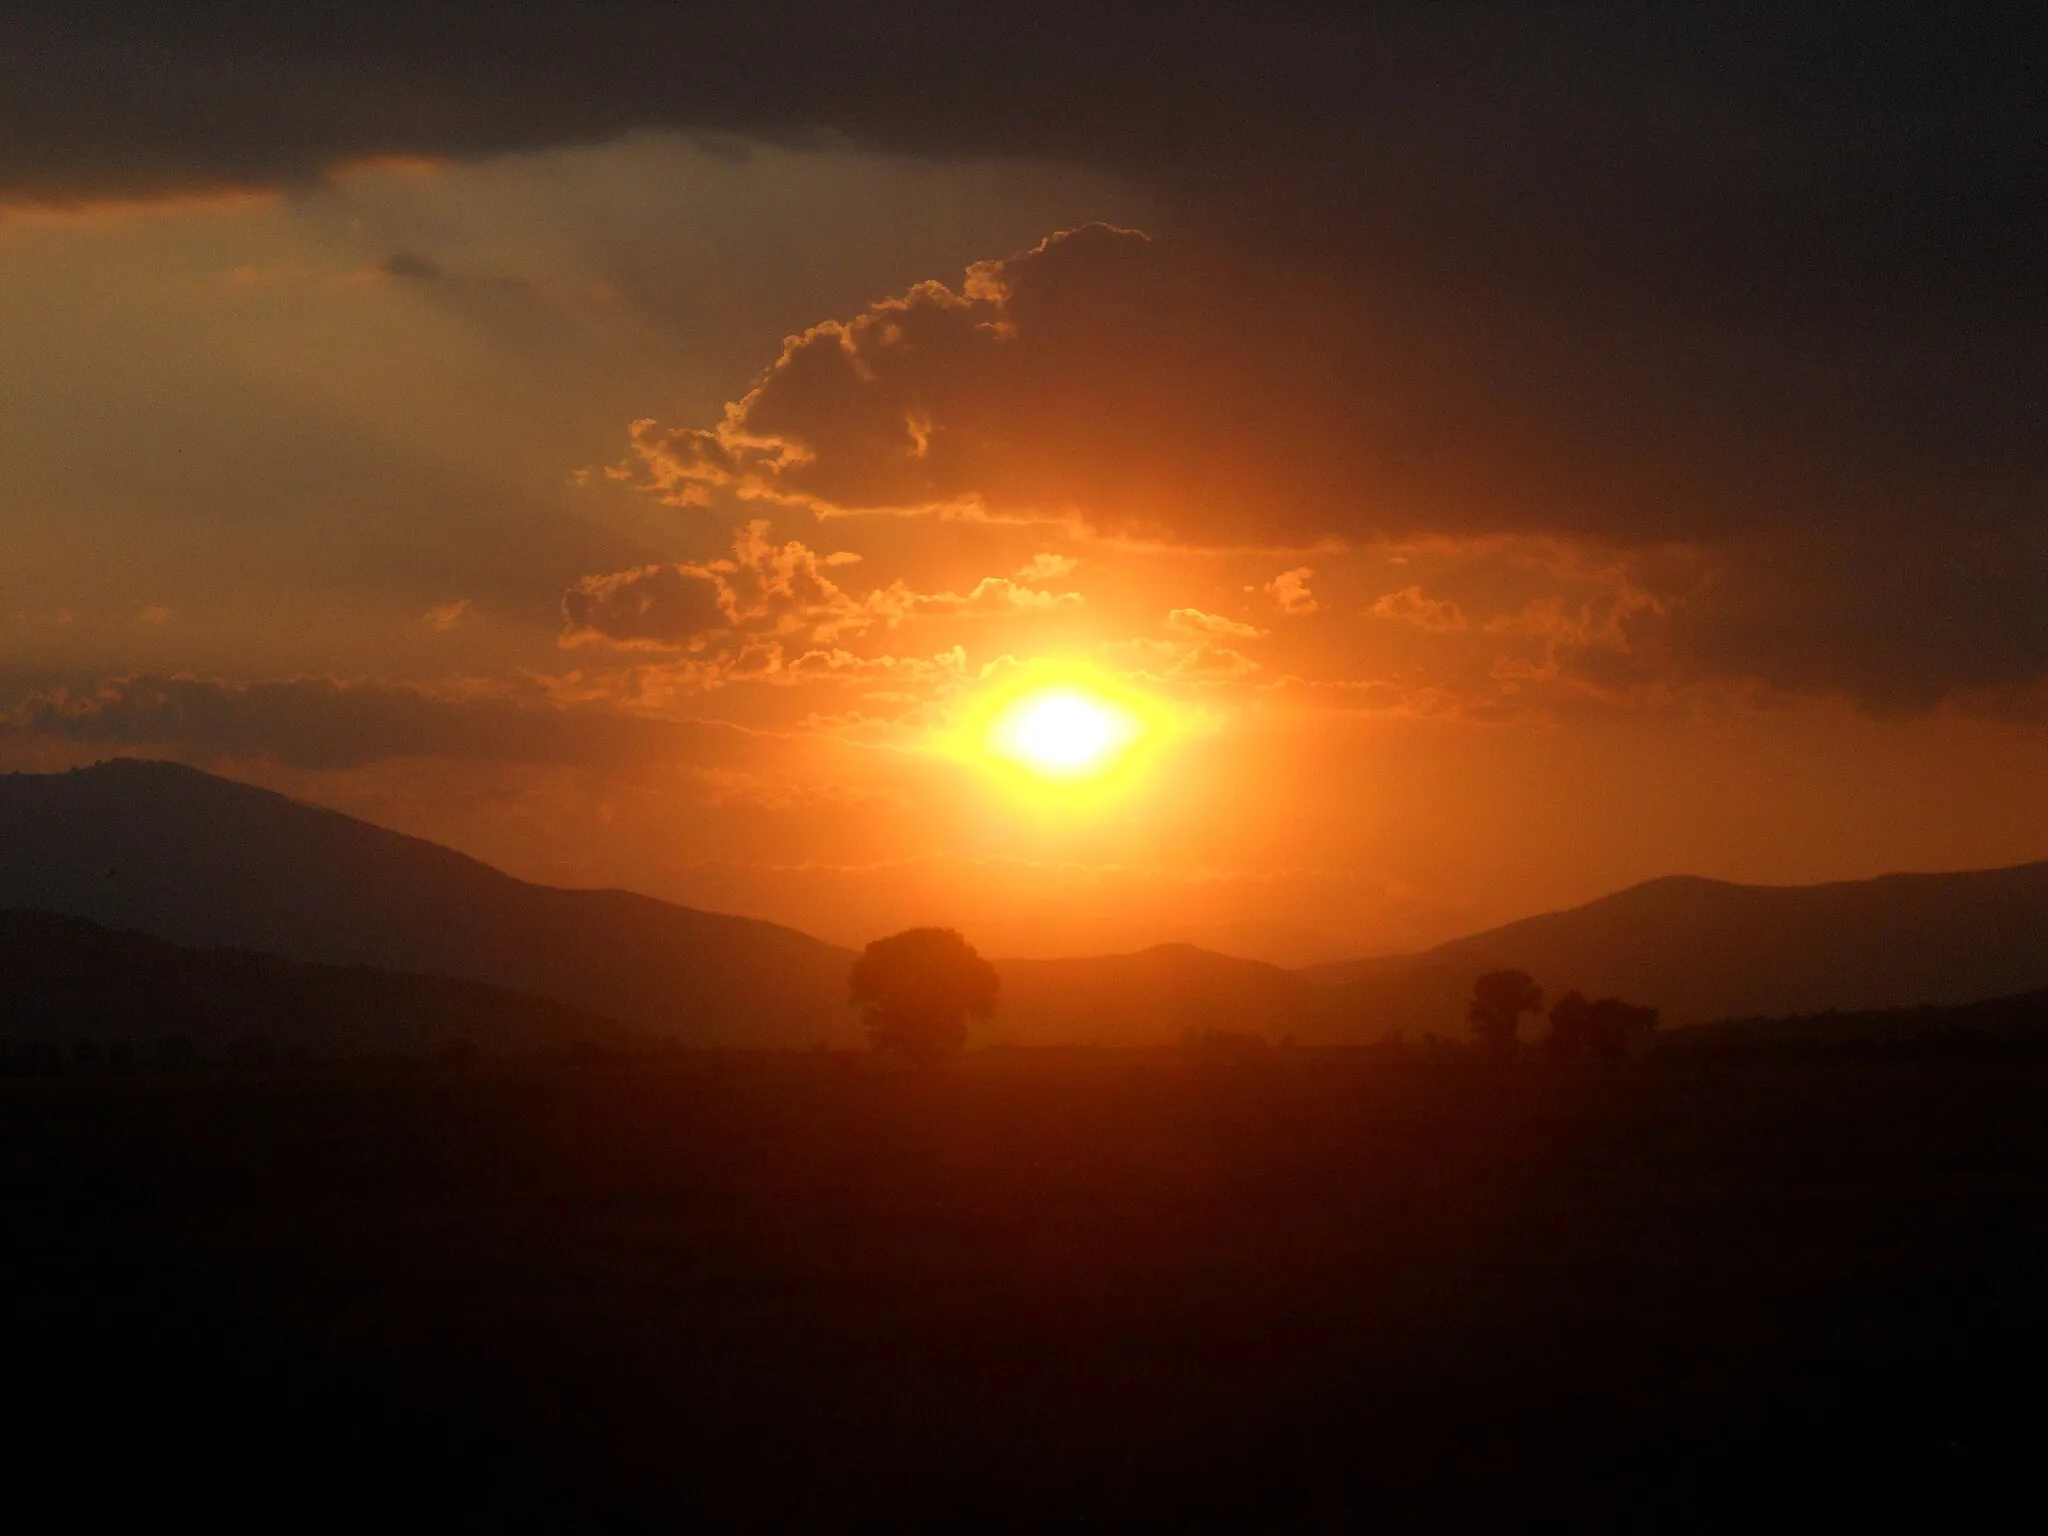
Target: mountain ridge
(74, 981)
(1704, 949)
(207, 862)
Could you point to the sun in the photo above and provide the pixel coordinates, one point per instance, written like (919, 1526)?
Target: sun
(1063, 733)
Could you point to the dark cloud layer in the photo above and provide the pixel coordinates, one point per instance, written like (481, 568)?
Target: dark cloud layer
(1750, 149)
(1762, 278)
(1132, 385)
(319, 723)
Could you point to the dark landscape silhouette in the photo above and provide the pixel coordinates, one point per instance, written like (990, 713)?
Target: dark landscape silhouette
(201, 860)
(1169, 1240)
(79, 985)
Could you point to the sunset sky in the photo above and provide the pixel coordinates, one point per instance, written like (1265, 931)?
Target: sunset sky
(1477, 456)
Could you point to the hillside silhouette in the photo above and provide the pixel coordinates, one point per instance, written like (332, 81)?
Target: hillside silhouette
(1994, 1025)
(71, 981)
(1707, 949)
(204, 861)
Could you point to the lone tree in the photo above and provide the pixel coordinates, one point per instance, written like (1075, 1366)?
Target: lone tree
(1570, 1024)
(1607, 1028)
(1499, 999)
(917, 990)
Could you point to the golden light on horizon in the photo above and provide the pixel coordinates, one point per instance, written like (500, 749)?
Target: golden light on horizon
(1064, 733)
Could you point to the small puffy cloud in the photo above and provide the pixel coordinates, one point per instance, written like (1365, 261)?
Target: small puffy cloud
(1290, 594)
(1194, 622)
(768, 613)
(771, 663)
(990, 595)
(1603, 623)
(448, 615)
(652, 605)
(1193, 661)
(156, 616)
(1048, 567)
(1409, 606)
(764, 589)
(1210, 663)
(1609, 646)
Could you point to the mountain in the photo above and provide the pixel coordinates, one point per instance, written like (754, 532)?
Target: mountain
(1707, 949)
(1288, 945)
(69, 980)
(204, 861)
(1153, 997)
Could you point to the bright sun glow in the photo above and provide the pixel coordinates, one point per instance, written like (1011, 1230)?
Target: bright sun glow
(1063, 733)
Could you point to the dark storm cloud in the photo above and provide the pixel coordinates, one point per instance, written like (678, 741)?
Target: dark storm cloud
(321, 723)
(1130, 383)
(1762, 278)
(1753, 150)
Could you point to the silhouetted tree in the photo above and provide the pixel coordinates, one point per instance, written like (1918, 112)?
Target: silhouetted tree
(1613, 1028)
(1569, 1024)
(1499, 999)
(917, 990)
(1607, 1028)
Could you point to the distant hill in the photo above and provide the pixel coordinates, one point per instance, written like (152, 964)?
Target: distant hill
(205, 861)
(1707, 949)
(68, 980)
(1996, 1024)
(1153, 997)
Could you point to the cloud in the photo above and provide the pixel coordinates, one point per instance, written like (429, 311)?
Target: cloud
(1193, 621)
(653, 605)
(1211, 663)
(764, 589)
(1200, 661)
(325, 723)
(448, 615)
(773, 664)
(767, 591)
(1290, 594)
(935, 401)
(1723, 153)
(1600, 279)
(990, 595)
(1130, 389)
(1409, 606)
(1048, 567)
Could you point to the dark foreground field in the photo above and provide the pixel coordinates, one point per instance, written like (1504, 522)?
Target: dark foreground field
(1025, 1291)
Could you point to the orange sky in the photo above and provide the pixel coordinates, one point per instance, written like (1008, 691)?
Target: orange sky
(660, 514)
